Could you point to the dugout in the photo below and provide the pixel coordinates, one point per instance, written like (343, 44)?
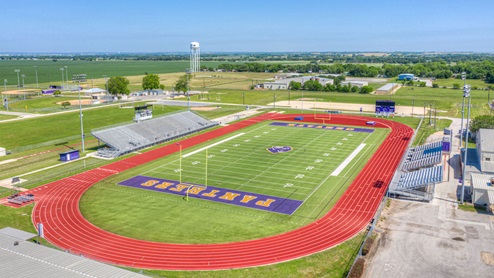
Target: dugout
(70, 155)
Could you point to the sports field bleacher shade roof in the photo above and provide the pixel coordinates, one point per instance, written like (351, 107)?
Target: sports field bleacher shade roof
(19, 258)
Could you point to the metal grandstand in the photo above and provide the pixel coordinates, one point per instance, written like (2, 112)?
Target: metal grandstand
(423, 156)
(419, 173)
(127, 138)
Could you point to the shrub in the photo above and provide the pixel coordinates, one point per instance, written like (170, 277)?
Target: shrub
(435, 85)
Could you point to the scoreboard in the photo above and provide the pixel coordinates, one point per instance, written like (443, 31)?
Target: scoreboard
(385, 108)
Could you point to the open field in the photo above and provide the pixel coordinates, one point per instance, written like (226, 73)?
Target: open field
(56, 127)
(449, 82)
(49, 71)
(447, 101)
(244, 164)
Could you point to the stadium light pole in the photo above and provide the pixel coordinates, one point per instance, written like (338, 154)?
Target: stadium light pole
(36, 70)
(80, 116)
(6, 105)
(18, 79)
(464, 77)
(466, 94)
(61, 69)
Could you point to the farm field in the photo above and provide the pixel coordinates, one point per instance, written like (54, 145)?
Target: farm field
(311, 172)
(49, 71)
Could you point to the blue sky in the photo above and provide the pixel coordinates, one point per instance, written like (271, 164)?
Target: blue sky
(246, 26)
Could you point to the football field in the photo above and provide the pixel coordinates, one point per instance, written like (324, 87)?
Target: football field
(241, 179)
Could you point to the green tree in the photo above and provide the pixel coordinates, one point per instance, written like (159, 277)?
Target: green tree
(181, 84)
(118, 85)
(456, 86)
(312, 85)
(150, 81)
(482, 121)
(366, 90)
(489, 77)
(294, 85)
(65, 104)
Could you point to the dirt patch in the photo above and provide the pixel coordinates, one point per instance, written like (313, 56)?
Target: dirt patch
(20, 92)
(76, 102)
(487, 258)
(204, 108)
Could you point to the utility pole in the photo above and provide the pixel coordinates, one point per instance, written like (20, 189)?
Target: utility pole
(466, 94)
(464, 77)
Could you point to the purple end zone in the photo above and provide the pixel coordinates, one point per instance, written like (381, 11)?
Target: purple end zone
(216, 194)
(327, 127)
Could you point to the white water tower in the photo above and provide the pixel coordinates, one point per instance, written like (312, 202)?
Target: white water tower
(195, 57)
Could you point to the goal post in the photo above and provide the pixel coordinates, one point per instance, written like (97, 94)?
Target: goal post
(205, 186)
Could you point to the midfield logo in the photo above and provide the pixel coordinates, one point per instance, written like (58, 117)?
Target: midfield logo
(280, 149)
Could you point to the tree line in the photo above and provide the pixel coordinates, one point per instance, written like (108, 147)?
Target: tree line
(474, 69)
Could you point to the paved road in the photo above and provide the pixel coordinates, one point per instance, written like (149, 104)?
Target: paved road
(436, 239)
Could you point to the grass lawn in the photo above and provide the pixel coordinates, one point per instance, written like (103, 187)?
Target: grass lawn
(244, 164)
(426, 130)
(450, 81)
(6, 117)
(40, 104)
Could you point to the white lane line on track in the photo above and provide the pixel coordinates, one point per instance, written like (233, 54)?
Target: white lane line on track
(347, 161)
(212, 145)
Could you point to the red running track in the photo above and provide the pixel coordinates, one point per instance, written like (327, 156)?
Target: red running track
(65, 227)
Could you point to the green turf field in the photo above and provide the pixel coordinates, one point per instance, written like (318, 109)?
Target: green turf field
(236, 161)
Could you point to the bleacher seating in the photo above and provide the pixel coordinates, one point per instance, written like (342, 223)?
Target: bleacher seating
(423, 156)
(128, 138)
(421, 178)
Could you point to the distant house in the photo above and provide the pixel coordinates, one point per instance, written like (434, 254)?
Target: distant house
(283, 84)
(287, 75)
(406, 76)
(359, 84)
(276, 85)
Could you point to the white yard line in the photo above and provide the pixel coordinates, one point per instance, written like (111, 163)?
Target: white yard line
(347, 161)
(212, 145)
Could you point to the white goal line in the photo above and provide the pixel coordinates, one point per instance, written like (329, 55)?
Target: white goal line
(212, 145)
(347, 161)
